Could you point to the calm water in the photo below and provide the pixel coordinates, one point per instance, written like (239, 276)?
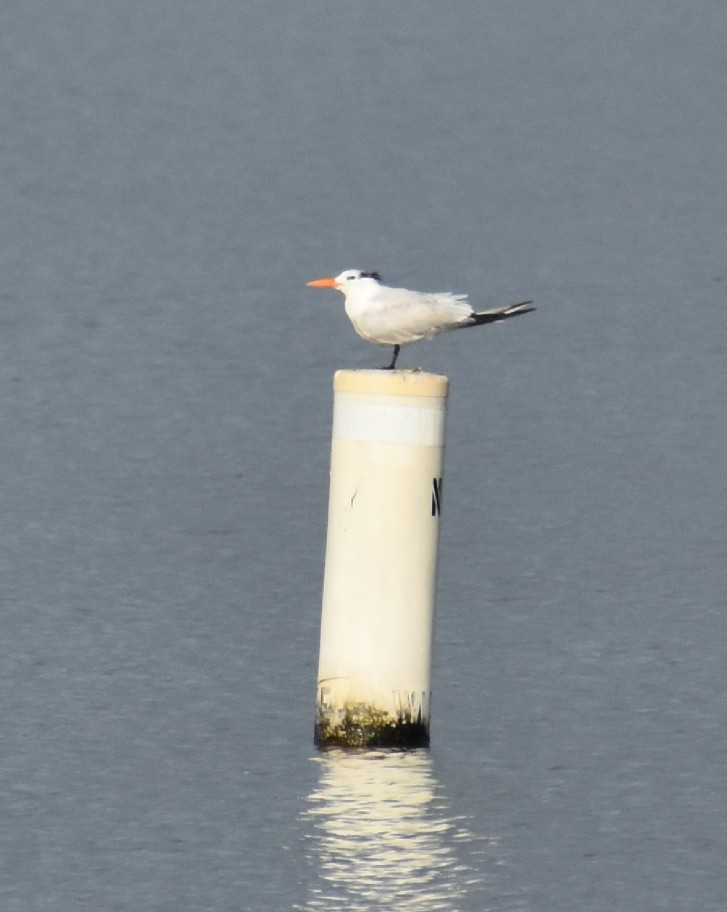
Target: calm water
(171, 176)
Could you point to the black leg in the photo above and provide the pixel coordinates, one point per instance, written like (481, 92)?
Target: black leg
(390, 367)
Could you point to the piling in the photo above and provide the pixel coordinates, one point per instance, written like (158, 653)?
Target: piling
(374, 673)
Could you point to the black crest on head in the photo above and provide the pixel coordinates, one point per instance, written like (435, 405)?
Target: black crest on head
(371, 275)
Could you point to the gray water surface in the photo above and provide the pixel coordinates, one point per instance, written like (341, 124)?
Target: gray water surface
(170, 177)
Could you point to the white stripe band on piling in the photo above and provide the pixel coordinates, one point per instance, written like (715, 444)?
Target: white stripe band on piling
(398, 422)
(381, 556)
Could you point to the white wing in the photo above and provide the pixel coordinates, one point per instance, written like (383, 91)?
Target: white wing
(394, 316)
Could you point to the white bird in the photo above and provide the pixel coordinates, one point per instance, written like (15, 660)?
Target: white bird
(397, 316)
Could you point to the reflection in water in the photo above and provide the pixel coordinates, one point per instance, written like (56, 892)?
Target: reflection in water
(381, 836)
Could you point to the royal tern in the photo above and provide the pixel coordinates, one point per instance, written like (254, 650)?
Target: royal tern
(397, 316)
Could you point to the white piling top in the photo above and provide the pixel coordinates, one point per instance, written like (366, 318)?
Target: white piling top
(392, 407)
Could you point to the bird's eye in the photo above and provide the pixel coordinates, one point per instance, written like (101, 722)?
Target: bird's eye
(350, 278)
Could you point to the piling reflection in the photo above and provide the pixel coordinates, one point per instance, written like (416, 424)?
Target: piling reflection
(382, 837)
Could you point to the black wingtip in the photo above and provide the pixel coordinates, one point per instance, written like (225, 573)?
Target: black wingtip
(523, 307)
(514, 310)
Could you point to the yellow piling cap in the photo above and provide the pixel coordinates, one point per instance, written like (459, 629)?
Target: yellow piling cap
(391, 383)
